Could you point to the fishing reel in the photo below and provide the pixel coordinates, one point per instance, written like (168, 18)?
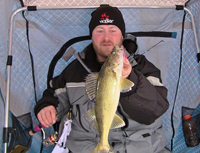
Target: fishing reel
(51, 140)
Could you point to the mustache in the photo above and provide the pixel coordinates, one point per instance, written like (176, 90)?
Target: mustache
(108, 42)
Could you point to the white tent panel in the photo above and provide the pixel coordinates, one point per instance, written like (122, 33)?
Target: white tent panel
(111, 2)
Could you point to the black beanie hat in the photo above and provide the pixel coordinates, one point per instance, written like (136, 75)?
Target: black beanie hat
(107, 15)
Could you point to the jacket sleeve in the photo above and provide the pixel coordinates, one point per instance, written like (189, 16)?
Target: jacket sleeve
(49, 96)
(148, 99)
(56, 95)
(46, 100)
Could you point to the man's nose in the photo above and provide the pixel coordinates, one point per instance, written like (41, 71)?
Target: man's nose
(107, 36)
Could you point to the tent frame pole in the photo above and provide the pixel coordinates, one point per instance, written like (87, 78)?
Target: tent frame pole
(194, 30)
(9, 64)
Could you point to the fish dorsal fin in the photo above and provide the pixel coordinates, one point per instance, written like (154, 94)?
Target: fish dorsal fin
(126, 85)
(91, 118)
(91, 85)
(117, 122)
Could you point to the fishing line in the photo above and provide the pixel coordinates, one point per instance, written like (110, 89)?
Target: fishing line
(72, 102)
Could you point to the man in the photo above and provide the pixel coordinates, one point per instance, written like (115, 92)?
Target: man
(141, 108)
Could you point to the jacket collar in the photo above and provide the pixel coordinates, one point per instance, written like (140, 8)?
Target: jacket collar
(88, 59)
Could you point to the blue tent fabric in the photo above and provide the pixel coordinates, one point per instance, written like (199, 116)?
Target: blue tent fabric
(49, 29)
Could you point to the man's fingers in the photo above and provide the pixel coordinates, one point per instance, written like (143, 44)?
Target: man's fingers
(53, 114)
(42, 120)
(126, 68)
(47, 116)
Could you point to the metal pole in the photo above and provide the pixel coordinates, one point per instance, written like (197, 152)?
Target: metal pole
(8, 80)
(194, 30)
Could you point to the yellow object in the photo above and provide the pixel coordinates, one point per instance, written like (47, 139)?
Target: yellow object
(19, 149)
(105, 87)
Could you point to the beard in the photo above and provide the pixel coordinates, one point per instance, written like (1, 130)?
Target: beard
(104, 48)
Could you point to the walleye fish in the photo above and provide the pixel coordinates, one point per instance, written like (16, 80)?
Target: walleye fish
(105, 88)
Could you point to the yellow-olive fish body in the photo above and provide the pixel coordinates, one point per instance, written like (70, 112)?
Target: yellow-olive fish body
(105, 88)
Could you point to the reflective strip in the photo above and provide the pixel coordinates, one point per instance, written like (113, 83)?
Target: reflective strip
(50, 83)
(154, 81)
(60, 90)
(79, 59)
(75, 84)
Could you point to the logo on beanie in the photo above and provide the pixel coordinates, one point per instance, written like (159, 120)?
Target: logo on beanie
(105, 18)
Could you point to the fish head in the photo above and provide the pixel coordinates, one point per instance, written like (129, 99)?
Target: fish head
(115, 59)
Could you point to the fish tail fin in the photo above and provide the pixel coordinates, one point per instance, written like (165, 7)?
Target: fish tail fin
(102, 149)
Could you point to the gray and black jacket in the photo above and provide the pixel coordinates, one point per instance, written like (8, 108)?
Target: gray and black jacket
(141, 108)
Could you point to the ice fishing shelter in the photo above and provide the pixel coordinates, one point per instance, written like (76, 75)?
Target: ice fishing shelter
(32, 32)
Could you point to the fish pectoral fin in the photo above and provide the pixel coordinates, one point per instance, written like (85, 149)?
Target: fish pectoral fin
(126, 85)
(91, 118)
(117, 122)
(90, 85)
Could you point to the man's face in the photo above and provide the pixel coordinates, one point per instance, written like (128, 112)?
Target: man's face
(104, 38)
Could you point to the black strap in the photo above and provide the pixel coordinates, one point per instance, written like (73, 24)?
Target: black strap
(32, 8)
(179, 7)
(177, 85)
(60, 54)
(154, 34)
(9, 60)
(198, 57)
(62, 50)
(6, 131)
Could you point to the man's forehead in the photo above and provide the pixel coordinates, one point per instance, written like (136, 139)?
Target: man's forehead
(107, 27)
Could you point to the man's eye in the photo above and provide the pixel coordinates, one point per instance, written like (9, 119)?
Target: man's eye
(100, 31)
(112, 31)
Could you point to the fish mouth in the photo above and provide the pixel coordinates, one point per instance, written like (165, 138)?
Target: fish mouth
(121, 51)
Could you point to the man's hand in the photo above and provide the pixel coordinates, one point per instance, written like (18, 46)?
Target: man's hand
(47, 116)
(126, 67)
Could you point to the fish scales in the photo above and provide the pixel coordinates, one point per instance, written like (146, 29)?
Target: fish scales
(107, 89)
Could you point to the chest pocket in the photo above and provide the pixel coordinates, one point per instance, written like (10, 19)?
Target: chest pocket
(80, 103)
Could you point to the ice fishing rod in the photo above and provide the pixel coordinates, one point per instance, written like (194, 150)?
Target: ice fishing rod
(131, 57)
(40, 127)
(152, 47)
(148, 49)
(53, 138)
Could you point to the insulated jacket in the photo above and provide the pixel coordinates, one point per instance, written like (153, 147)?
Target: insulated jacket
(141, 108)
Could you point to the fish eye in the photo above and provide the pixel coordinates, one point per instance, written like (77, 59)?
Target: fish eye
(113, 52)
